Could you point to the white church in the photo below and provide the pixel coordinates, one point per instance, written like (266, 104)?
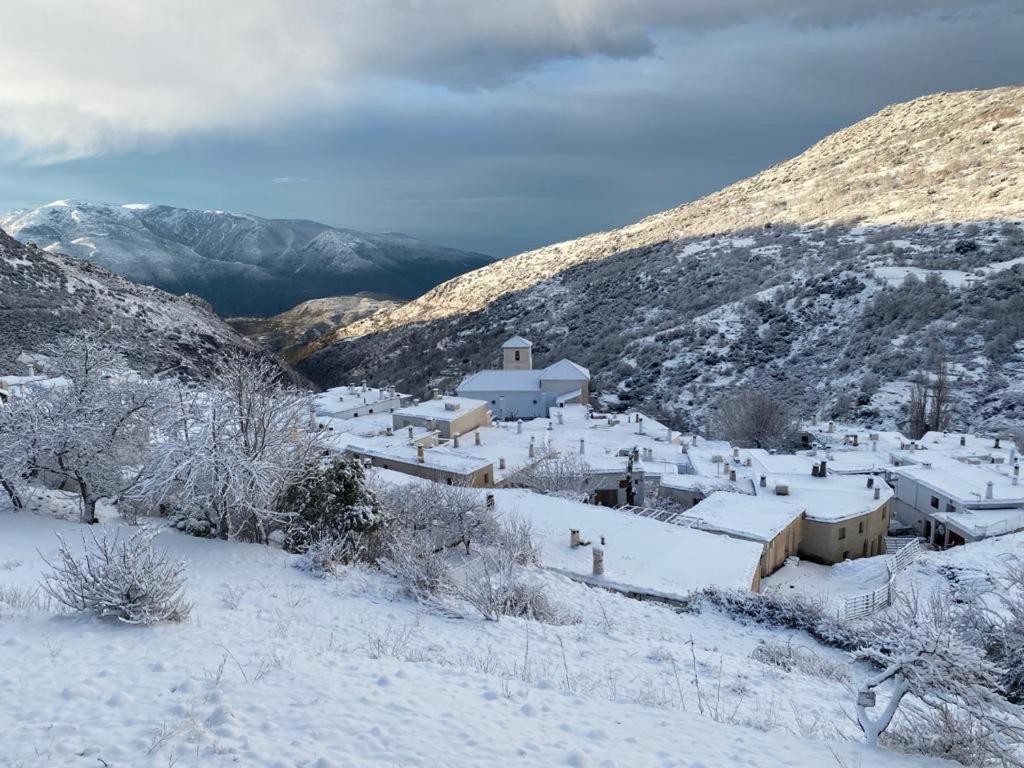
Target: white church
(517, 391)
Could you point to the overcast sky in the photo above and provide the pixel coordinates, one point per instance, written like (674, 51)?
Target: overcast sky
(487, 125)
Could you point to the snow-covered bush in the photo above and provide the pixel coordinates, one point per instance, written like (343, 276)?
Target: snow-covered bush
(948, 733)
(332, 508)
(415, 560)
(494, 584)
(791, 657)
(784, 611)
(453, 515)
(125, 578)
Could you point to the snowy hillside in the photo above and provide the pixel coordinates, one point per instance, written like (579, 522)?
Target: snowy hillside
(44, 296)
(241, 264)
(287, 333)
(793, 279)
(277, 668)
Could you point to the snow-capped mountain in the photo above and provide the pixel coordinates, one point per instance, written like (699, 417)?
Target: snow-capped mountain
(46, 295)
(242, 265)
(792, 280)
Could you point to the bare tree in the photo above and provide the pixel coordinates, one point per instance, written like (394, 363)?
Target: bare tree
(559, 474)
(225, 455)
(753, 418)
(940, 410)
(13, 449)
(917, 406)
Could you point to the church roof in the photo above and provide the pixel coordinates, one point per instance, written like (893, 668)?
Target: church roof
(517, 342)
(565, 370)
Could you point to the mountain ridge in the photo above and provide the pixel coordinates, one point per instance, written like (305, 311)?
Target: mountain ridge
(241, 263)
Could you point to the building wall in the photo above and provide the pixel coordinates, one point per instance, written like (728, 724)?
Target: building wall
(557, 388)
(786, 543)
(512, 405)
(524, 363)
(862, 536)
(457, 422)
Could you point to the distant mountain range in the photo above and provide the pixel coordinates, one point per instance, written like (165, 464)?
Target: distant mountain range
(241, 264)
(44, 296)
(827, 279)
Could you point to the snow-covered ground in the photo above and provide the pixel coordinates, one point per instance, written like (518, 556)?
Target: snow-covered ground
(276, 668)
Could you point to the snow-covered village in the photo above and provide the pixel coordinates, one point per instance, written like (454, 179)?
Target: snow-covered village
(446, 384)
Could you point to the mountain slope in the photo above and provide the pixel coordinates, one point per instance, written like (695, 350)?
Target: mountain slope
(287, 333)
(792, 280)
(946, 157)
(243, 265)
(46, 295)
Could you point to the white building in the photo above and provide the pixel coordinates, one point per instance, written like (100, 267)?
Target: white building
(518, 391)
(357, 400)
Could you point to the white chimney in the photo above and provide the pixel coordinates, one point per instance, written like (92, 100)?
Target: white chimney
(668, 434)
(583, 446)
(455, 440)
(410, 432)
(831, 426)
(574, 537)
(476, 438)
(31, 369)
(561, 418)
(519, 426)
(988, 489)
(598, 553)
(437, 394)
(531, 446)
(501, 462)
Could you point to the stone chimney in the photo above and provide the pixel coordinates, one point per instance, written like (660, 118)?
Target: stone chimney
(815, 470)
(420, 454)
(476, 438)
(823, 472)
(732, 475)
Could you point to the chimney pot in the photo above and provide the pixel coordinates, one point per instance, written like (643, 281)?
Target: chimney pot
(732, 475)
(420, 454)
(476, 439)
(598, 553)
(764, 481)
(501, 462)
(878, 492)
(574, 537)
(988, 489)
(871, 482)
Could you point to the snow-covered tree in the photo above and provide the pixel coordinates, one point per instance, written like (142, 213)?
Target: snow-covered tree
(453, 515)
(921, 652)
(93, 433)
(225, 454)
(332, 503)
(13, 449)
(752, 418)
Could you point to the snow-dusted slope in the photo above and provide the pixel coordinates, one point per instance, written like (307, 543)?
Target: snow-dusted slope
(946, 157)
(748, 286)
(46, 295)
(243, 265)
(285, 334)
(276, 668)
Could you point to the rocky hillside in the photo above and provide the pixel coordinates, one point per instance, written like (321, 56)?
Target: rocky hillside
(45, 295)
(287, 333)
(795, 280)
(242, 265)
(946, 157)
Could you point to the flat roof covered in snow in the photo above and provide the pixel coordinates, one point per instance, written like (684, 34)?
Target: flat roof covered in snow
(436, 408)
(752, 517)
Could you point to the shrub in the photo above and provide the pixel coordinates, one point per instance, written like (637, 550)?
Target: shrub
(122, 578)
(333, 510)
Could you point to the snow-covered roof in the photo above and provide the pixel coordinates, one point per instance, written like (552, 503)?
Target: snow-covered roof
(501, 381)
(565, 370)
(641, 555)
(440, 457)
(517, 342)
(352, 396)
(435, 408)
(761, 518)
(967, 484)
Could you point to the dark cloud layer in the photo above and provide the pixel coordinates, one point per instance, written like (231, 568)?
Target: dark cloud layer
(492, 128)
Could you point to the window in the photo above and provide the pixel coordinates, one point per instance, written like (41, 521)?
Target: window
(517, 355)
(935, 502)
(449, 481)
(534, 402)
(487, 478)
(846, 555)
(371, 410)
(842, 533)
(860, 527)
(494, 402)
